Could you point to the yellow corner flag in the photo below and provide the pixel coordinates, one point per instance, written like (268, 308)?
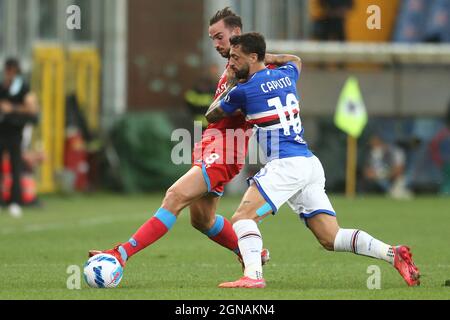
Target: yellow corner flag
(351, 114)
(351, 117)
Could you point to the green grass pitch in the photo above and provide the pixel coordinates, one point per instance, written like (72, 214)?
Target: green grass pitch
(36, 251)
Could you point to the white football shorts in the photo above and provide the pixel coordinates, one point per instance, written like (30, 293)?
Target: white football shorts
(299, 181)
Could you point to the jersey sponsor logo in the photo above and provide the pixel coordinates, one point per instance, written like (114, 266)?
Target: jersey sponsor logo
(222, 85)
(221, 88)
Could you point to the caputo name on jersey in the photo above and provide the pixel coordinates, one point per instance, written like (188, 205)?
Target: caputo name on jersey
(276, 84)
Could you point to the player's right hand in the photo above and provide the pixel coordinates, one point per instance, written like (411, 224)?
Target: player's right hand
(231, 77)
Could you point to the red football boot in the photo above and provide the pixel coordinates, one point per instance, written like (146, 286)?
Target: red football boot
(114, 252)
(405, 266)
(244, 282)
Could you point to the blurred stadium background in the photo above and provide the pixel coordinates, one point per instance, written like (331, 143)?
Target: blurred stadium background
(123, 80)
(112, 92)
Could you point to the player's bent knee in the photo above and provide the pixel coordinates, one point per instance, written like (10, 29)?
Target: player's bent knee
(175, 200)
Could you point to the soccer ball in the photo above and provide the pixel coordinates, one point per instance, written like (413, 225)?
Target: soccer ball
(103, 271)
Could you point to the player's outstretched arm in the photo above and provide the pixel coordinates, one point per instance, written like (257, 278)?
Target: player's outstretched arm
(281, 59)
(215, 112)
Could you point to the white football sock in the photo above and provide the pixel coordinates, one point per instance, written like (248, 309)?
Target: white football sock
(362, 243)
(250, 245)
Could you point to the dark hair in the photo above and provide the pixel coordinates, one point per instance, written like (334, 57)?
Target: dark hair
(12, 63)
(230, 19)
(252, 42)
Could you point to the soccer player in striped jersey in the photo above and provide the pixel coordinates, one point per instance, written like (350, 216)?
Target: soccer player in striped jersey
(293, 174)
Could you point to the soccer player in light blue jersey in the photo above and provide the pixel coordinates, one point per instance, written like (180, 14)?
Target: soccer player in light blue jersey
(293, 174)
